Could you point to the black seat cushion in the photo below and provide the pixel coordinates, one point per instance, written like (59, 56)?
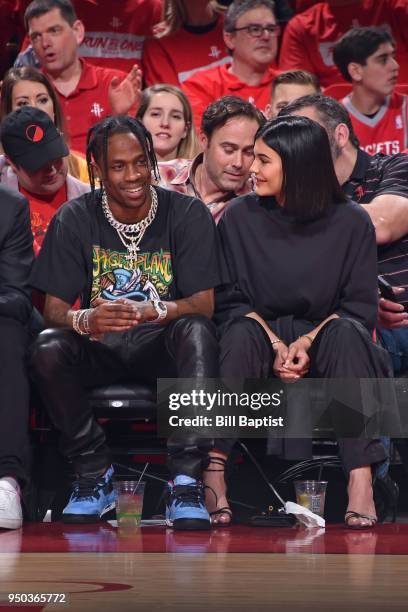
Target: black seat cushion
(124, 400)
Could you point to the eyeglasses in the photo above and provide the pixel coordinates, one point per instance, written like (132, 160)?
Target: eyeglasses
(255, 30)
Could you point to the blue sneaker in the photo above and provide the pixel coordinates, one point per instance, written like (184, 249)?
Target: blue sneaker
(185, 505)
(91, 499)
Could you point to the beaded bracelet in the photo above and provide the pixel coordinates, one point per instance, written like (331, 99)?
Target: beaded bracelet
(76, 321)
(87, 329)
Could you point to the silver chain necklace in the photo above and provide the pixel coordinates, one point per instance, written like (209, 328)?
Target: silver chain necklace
(131, 234)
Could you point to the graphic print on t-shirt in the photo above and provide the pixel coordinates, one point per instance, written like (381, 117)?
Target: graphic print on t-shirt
(116, 277)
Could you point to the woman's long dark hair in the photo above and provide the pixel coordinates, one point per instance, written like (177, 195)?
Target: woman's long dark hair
(28, 73)
(310, 184)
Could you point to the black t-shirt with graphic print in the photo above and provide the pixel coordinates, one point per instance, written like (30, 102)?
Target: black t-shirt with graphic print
(83, 256)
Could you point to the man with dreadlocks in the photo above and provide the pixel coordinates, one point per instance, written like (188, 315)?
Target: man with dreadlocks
(130, 252)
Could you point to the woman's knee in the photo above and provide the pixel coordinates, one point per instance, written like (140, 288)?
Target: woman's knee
(242, 333)
(347, 331)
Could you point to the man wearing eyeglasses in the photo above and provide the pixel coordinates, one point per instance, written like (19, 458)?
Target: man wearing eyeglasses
(251, 35)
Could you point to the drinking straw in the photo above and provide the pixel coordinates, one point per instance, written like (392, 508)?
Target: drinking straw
(141, 476)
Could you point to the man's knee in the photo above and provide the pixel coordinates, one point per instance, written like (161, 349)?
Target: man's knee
(194, 326)
(51, 349)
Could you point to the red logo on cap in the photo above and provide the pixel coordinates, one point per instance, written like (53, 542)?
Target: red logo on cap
(34, 133)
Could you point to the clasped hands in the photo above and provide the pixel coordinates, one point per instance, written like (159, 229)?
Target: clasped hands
(292, 362)
(119, 315)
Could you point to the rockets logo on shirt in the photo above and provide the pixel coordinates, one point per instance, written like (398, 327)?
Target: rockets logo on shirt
(387, 131)
(214, 52)
(97, 110)
(389, 147)
(115, 23)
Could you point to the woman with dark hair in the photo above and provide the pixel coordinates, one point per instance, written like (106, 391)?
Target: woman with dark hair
(303, 298)
(28, 86)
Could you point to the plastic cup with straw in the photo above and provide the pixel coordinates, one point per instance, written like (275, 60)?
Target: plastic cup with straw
(129, 500)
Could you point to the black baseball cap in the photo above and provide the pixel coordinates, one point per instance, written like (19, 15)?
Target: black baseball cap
(30, 139)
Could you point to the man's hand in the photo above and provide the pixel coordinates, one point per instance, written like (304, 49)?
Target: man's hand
(392, 315)
(145, 311)
(125, 94)
(108, 316)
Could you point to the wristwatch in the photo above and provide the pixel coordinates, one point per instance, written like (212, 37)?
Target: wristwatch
(161, 309)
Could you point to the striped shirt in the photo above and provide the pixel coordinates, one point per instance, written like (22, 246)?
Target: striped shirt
(376, 175)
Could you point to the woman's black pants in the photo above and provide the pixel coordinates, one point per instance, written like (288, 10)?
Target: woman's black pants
(342, 349)
(65, 365)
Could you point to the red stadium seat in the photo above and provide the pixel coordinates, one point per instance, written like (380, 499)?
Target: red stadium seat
(340, 90)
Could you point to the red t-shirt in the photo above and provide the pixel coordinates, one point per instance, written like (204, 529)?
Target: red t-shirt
(115, 31)
(387, 131)
(302, 5)
(42, 210)
(206, 87)
(173, 59)
(309, 37)
(88, 103)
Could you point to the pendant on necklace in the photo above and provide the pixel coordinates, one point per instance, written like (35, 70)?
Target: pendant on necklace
(131, 257)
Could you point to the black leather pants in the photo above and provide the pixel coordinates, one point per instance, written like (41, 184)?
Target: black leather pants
(64, 365)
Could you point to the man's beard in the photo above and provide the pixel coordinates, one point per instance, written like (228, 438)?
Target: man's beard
(334, 148)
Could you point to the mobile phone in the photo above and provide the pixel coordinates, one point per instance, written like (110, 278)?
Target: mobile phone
(272, 519)
(386, 290)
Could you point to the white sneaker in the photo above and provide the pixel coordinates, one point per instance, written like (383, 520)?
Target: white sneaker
(11, 515)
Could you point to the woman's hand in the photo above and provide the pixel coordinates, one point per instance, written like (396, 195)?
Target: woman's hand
(281, 351)
(297, 360)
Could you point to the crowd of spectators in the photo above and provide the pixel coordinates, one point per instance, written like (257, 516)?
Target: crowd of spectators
(105, 103)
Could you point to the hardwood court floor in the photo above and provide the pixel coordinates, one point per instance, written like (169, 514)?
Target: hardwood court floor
(167, 571)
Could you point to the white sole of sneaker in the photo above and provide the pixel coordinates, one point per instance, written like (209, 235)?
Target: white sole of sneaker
(108, 508)
(87, 518)
(6, 523)
(189, 524)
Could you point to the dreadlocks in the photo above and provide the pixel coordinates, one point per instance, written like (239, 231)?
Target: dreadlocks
(97, 143)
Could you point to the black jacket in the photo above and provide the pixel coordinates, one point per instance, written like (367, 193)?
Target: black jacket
(16, 256)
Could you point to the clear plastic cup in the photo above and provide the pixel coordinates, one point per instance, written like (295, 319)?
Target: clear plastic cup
(129, 501)
(311, 494)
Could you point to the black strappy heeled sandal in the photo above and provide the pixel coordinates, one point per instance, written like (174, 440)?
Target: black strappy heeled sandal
(225, 509)
(351, 514)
